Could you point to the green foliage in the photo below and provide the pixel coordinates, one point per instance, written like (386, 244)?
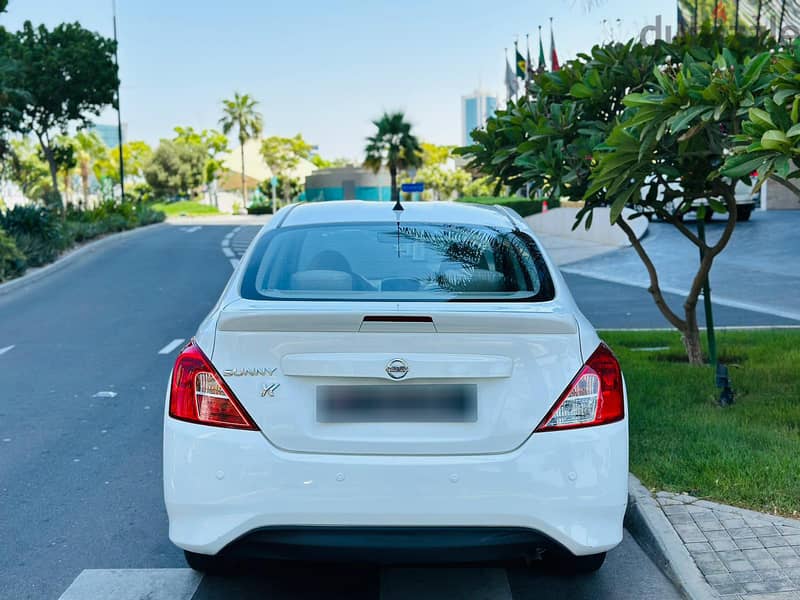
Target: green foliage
(81, 61)
(136, 155)
(433, 154)
(176, 169)
(12, 261)
(36, 232)
(283, 155)
(213, 143)
(241, 114)
(769, 141)
(26, 168)
(259, 208)
(525, 207)
(393, 146)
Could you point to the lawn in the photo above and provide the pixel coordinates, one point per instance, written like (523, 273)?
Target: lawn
(187, 208)
(747, 455)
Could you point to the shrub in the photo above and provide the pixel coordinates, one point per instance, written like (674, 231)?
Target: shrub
(12, 261)
(259, 209)
(37, 233)
(524, 206)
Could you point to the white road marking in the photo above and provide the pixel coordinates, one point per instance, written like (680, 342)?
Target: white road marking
(171, 346)
(133, 584)
(226, 247)
(191, 229)
(105, 394)
(6, 349)
(722, 301)
(234, 262)
(228, 252)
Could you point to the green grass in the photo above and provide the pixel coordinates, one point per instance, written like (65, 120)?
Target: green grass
(188, 208)
(523, 206)
(681, 440)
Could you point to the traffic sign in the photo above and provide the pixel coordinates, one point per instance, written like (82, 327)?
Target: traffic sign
(410, 188)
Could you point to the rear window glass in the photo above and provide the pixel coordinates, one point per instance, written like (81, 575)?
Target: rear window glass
(391, 262)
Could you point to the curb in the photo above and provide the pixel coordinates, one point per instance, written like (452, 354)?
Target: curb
(68, 257)
(645, 520)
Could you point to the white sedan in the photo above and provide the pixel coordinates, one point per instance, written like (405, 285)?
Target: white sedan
(396, 386)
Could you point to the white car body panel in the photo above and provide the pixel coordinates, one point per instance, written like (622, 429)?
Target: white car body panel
(570, 485)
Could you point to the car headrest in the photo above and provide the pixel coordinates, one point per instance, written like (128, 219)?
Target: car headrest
(322, 280)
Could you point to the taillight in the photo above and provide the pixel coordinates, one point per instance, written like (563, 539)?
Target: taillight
(199, 395)
(594, 397)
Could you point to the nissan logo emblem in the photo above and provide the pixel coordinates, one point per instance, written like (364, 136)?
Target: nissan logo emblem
(397, 368)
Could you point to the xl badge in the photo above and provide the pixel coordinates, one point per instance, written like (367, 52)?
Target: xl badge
(397, 368)
(269, 389)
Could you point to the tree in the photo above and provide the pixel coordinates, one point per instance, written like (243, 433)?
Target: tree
(89, 150)
(175, 169)
(135, 157)
(26, 168)
(393, 146)
(283, 155)
(629, 125)
(213, 142)
(240, 113)
(82, 64)
(433, 154)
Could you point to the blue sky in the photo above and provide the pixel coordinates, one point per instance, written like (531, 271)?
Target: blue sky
(324, 68)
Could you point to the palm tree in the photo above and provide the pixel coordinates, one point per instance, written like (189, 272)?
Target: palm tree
(241, 113)
(89, 149)
(394, 147)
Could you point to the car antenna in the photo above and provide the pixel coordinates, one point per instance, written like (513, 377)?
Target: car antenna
(398, 209)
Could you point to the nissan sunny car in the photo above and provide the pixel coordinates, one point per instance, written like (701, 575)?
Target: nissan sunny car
(396, 386)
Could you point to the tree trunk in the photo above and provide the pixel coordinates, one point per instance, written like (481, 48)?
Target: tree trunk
(85, 184)
(395, 192)
(244, 182)
(691, 338)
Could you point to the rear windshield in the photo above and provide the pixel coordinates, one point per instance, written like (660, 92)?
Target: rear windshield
(396, 262)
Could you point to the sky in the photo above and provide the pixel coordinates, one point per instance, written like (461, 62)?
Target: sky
(326, 68)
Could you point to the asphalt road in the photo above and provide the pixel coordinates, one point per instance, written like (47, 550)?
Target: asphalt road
(82, 384)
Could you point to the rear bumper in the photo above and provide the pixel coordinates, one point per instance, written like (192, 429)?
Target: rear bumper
(566, 487)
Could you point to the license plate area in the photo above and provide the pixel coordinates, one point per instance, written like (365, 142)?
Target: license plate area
(405, 403)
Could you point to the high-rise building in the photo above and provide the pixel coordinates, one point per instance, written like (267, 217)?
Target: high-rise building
(476, 109)
(109, 134)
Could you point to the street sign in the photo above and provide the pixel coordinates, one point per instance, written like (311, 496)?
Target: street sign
(274, 182)
(410, 188)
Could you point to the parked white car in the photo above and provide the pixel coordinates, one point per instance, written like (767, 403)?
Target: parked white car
(384, 386)
(746, 201)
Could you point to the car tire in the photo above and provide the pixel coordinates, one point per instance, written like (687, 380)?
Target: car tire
(204, 563)
(569, 564)
(743, 213)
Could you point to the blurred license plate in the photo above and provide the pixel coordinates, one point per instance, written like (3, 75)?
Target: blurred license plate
(397, 403)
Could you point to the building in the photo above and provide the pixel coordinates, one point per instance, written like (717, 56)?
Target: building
(109, 134)
(348, 183)
(475, 111)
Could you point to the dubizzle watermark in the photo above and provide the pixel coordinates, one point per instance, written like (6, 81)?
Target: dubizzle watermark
(659, 31)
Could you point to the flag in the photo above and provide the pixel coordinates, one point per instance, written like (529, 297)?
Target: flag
(512, 85)
(553, 54)
(529, 70)
(542, 61)
(521, 68)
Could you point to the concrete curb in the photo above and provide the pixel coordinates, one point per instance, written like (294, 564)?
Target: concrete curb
(69, 257)
(645, 520)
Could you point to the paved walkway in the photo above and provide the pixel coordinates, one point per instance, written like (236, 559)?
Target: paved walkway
(742, 554)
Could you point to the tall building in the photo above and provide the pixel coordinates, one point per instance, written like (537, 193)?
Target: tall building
(476, 109)
(109, 134)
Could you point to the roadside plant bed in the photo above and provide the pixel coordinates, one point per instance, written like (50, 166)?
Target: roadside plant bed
(259, 209)
(33, 236)
(524, 206)
(187, 208)
(746, 455)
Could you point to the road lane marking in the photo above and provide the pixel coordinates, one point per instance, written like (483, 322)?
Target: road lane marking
(105, 394)
(171, 346)
(133, 584)
(191, 229)
(6, 349)
(234, 262)
(228, 252)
